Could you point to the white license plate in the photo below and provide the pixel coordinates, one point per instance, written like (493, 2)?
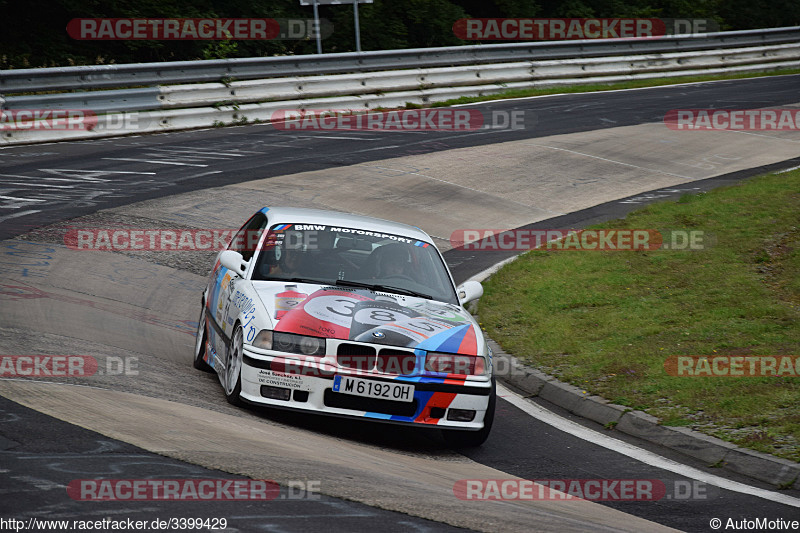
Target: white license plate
(373, 389)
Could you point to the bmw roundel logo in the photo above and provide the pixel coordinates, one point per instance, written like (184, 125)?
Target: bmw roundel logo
(378, 334)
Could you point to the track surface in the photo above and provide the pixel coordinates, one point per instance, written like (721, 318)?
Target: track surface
(41, 184)
(49, 183)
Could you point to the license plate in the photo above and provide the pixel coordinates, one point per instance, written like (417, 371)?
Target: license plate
(373, 389)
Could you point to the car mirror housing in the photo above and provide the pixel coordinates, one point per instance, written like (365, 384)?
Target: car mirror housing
(469, 291)
(233, 261)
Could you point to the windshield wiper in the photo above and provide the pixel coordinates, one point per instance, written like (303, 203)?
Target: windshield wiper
(384, 288)
(303, 280)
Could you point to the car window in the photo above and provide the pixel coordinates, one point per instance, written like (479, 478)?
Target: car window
(331, 254)
(246, 239)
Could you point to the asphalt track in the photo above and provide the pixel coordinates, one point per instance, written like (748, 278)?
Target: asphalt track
(46, 183)
(580, 158)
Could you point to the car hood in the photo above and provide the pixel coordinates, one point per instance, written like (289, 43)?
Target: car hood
(363, 315)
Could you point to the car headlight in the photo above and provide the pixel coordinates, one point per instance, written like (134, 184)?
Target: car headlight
(263, 340)
(289, 342)
(453, 363)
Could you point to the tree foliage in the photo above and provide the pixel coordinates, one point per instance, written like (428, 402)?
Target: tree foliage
(34, 31)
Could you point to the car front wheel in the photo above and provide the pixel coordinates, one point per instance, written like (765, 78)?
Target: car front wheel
(200, 344)
(233, 368)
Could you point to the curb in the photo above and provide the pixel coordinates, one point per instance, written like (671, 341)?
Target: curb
(717, 453)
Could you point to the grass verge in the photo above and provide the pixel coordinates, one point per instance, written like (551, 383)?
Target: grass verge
(607, 321)
(596, 87)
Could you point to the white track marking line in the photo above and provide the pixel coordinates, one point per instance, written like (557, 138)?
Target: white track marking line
(647, 457)
(787, 170)
(195, 151)
(20, 199)
(479, 191)
(153, 162)
(45, 185)
(20, 214)
(101, 172)
(378, 148)
(772, 137)
(616, 162)
(337, 137)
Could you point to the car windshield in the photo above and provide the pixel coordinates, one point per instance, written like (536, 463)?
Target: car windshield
(353, 257)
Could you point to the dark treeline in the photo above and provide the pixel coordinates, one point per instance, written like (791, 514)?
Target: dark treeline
(34, 31)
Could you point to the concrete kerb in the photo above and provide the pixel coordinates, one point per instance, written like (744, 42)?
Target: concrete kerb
(778, 472)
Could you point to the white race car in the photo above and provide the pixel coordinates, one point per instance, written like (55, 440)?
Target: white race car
(349, 316)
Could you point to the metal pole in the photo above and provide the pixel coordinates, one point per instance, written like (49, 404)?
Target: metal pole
(316, 28)
(358, 33)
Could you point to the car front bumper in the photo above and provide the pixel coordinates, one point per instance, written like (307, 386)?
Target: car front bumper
(309, 387)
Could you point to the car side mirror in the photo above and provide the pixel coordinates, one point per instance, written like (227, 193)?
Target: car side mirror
(469, 291)
(233, 261)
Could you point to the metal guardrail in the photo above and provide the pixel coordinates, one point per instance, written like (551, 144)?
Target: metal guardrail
(305, 87)
(150, 74)
(198, 105)
(97, 101)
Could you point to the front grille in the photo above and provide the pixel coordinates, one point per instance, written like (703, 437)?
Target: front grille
(356, 356)
(401, 362)
(372, 405)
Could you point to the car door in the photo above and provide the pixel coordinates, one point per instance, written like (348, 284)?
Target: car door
(236, 294)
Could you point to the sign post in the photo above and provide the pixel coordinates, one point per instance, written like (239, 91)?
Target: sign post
(315, 3)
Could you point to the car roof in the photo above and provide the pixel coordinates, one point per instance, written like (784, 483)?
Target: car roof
(300, 215)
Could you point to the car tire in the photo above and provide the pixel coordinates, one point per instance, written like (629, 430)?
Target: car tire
(472, 439)
(200, 344)
(233, 368)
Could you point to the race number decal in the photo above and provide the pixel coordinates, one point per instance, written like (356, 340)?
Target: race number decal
(375, 315)
(408, 332)
(326, 313)
(334, 309)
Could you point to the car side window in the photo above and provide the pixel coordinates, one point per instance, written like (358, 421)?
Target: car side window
(246, 239)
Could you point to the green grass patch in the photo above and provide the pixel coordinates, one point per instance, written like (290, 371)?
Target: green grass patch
(607, 321)
(596, 87)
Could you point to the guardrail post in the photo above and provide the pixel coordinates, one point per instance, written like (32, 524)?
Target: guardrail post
(317, 31)
(358, 30)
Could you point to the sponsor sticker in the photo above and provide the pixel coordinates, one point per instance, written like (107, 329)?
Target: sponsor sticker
(292, 380)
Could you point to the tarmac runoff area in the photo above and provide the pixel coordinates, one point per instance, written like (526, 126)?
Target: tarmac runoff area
(124, 305)
(503, 185)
